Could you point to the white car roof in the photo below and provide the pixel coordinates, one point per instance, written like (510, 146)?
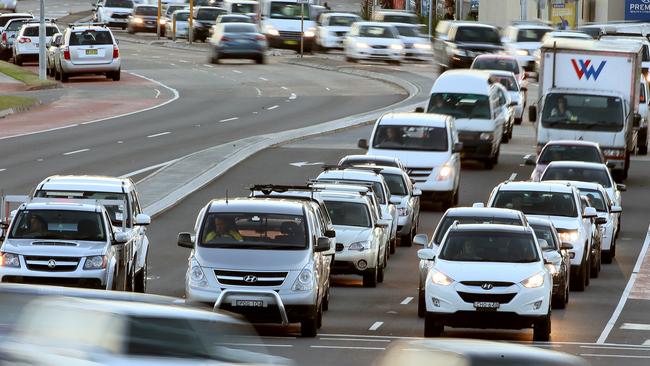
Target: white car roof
(576, 164)
(62, 205)
(414, 119)
(531, 26)
(341, 15)
(503, 73)
(90, 183)
(580, 185)
(535, 187)
(471, 24)
(374, 24)
(483, 211)
(351, 174)
(376, 158)
(539, 221)
(463, 81)
(343, 197)
(572, 143)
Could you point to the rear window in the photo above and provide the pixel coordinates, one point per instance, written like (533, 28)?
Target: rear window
(172, 8)
(119, 4)
(146, 10)
(15, 25)
(182, 17)
(90, 37)
(348, 213)
(243, 8)
(531, 35)
(33, 31)
(395, 18)
(405, 31)
(494, 63)
(240, 28)
(508, 82)
(477, 35)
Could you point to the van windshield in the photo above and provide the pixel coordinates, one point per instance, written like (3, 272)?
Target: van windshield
(286, 10)
(583, 112)
(460, 105)
(420, 138)
(252, 230)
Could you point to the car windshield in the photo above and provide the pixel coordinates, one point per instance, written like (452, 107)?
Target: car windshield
(570, 153)
(238, 8)
(546, 233)
(583, 112)
(348, 213)
(495, 63)
(116, 213)
(371, 31)
(396, 184)
(146, 10)
(119, 4)
(460, 105)
(4, 20)
(590, 175)
(90, 37)
(58, 224)
(33, 31)
(596, 198)
(406, 31)
(489, 246)
(537, 202)
(15, 25)
(447, 221)
(285, 10)
(508, 82)
(419, 138)
(182, 17)
(209, 14)
(531, 35)
(240, 28)
(254, 231)
(172, 8)
(477, 35)
(399, 18)
(342, 21)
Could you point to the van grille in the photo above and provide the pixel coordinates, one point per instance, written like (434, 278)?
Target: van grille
(419, 174)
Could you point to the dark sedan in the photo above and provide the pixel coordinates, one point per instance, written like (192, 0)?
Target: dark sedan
(143, 19)
(238, 40)
(204, 18)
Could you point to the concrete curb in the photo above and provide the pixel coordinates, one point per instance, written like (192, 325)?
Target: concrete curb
(9, 111)
(156, 195)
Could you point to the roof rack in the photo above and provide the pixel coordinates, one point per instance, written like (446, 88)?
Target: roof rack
(87, 24)
(280, 188)
(609, 32)
(327, 167)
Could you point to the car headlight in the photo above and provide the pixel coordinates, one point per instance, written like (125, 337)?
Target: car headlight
(9, 260)
(422, 46)
(534, 281)
(362, 45)
(163, 21)
(522, 53)
(305, 281)
(440, 278)
(137, 20)
(569, 236)
(95, 262)
(444, 173)
(359, 246)
(614, 153)
(486, 136)
(272, 31)
(309, 33)
(197, 277)
(552, 269)
(403, 211)
(395, 46)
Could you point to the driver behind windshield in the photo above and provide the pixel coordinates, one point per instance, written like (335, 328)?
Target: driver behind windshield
(561, 109)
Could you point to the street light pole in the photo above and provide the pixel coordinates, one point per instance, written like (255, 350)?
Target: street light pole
(302, 28)
(190, 31)
(41, 43)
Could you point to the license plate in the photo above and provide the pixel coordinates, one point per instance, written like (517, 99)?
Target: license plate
(486, 305)
(291, 42)
(91, 52)
(250, 303)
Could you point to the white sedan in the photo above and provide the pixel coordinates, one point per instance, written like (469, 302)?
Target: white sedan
(374, 41)
(417, 45)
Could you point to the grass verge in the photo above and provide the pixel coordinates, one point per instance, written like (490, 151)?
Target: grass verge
(15, 102)
(29, 78)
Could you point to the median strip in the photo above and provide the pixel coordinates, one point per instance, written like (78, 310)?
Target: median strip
(30, 79)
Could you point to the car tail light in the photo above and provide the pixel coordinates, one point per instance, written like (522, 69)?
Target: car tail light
(24, 40)
(225, 39)
(4, 37)
(66, 53)
(260, 37)
(116, 52)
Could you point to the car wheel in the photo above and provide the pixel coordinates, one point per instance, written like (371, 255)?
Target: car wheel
(560, 300)
(432, 328)
(140, 284)
(542, 329)
(506, 137)
(381, 271)
(350, 59)
(489, 163)
(57, 74)
(129, 30)
(309, 327)
(261, 60)
(116, 75)
(326, 301)
(456, 196)
(407, 240)
(370, 277)
(448, 202)
(64, 76)
(643, 138)
(593, 271)
(422, 307)
(587, 275)
(393, 245)
(18, 61)
(579, 283)
(517, 121)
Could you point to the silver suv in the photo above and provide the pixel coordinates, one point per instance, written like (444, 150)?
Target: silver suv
(263, 258)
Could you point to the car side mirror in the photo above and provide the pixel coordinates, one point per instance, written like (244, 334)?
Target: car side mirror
(417, 192)
(383, 223)
(601, 221)
(363, 144)
(458, 147)
(395, 200)
(530, 160)
(566, 246)
(419, 110)
(421, 239)
(322, 244)
(637, 120)
(142, 219)
(330, 233)
(185, 240)
(589, 213)
(532, 113)
(616, 209)
(120, 237)
(621, 187)
(427, 254)
(546, 261)
(610, 164)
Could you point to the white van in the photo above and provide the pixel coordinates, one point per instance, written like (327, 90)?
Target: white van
(480, 109)
(281, 23)
(246, 7)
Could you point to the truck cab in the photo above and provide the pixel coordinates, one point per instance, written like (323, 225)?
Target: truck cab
(284, 22)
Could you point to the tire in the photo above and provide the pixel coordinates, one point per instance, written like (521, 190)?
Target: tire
(309, 327)
(542, 329)
(140, 284)
(594, 270)
(506, 137)
(560, 301)
(116, 75)
(407, 240)
(448, 202)
(261, 60)
(370, 277)
(64, 76)
(643, 136)
(130, 30)
(326, 301)
(580, 282)
(350, 59)
(393, 246)
(517, 121)
(456, 197)
(422, 307)
(488, 163)
(381, 271)
(18, 61)
(432, 328)
(57, 75)
(587, 275)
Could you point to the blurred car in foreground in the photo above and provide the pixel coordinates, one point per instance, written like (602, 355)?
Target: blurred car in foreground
(466, 352)
(237, 40)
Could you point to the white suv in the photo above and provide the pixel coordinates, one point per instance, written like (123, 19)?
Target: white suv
(427, 144)
(560, 204)
(488, 276)
(87, 49)
(114, 13)
(25, 46)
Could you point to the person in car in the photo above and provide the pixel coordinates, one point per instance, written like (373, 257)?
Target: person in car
(223, 228)
(37, 227)
(561, 109)
(393, 136)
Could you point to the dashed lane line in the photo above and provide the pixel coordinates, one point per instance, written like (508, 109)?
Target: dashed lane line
(272, 107)
(284, 88)
(635, 326)
(263, 79)
(146, 169)
(406, 300)
(2, 170)
(236, 71)
(611, 356)
(375, 326)
(75, 152)
(259, 92)
(159, 134)
(229, 119)
(355, 340)
(351, 347)
(513, 176)
(293, 96)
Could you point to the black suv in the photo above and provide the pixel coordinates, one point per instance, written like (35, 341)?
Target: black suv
(463, 42)
(204, 18)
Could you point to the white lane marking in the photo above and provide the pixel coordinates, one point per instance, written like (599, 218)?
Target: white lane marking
(513, 176)
(634, 326)
(236, 71)
(259, 92)
(39, 159)
(155, 56)
(611, 356)
(328, 89)
(272, 107)
(172, 64)
(159, 134)
(2, 170)
(344, 347)
(229, 119)
(284, 88)
(208, 65)
(263, 79)
(638, 348)
(146, 169)
(76, 152)
(120, 142)
(293, 96)
(406, 301)
(355, 340)
(376, 326)
(157, 93)
(626, 292)
(257, 345)
(183, 61)
(646, 343)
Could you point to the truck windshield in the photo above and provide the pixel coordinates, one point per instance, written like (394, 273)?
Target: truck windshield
(420, 138)
(251, 230)
(286, 10)
(583, 112)
(460, 105)
(477, 35)
(58, 224)
(348, 213)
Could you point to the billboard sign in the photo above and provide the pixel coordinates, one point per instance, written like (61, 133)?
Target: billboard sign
(637, 10)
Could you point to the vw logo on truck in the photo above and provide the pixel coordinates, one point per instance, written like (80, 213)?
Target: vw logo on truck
(584, 67)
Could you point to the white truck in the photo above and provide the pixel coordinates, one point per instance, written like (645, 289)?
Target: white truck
(284, 22)
(589, 90)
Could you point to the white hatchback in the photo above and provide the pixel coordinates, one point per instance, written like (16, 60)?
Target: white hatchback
(374, 41)
(88, 49)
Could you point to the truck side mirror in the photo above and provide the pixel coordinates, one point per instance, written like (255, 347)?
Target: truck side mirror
(419, 110)
(322, 245)
(532, 113)
(330, 233)
(120, 237)
(363, 144)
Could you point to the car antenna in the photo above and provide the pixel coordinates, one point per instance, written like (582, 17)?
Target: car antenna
(226, 195)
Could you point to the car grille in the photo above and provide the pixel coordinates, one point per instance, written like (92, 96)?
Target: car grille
(408, 45)
(290, 35)
(379, 47)
(473, 297)
(341, 34)
(250, 278)
(419, 174)
(119, 16)
(339, 247)
(468, 136)
(481, 283)
(52, 264)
